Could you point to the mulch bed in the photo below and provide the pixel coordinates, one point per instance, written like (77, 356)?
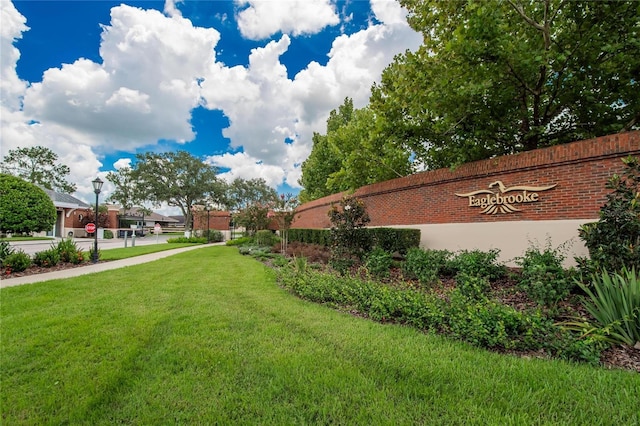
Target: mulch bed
(504, 290)
(34, 269)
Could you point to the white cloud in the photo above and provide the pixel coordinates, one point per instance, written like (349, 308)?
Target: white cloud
(143, 91)
(122, 163)
(12, 25)
(389, 12)
(247, 167)
(171, 9)
(262, 19)
(155, 69)
(271, 107)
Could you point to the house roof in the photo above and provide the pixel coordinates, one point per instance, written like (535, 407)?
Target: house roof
(135, 213)
(65, 200)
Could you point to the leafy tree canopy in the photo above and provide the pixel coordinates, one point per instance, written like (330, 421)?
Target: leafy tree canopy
(242, 193)
(353, 153)
(498, 77)
(126, 192)
(177, 178)
(24, 208)
(38, 165)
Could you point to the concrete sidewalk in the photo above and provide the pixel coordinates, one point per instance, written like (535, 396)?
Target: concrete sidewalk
(98, 267)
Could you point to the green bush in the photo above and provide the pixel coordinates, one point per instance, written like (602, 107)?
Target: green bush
(348, 243)
(393, 239)
(389, 239)
(265, 237)
(108, 234)
(472, 286)
(543, 278)
(5, 250)
(310, 236)
(17, 261)
(426, 265)
(479, 263)
(259, 252)
(239, 241)
(378, 262)
(614, 302)
(69, 251)
(192, 240)
(24, 207)
(482, 322)
(47, 258)
(614, 241)
(214, 235)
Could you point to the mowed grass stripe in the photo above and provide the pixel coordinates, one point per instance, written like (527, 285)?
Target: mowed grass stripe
(208, 337)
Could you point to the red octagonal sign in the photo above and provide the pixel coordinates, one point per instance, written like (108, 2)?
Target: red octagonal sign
(90, 228)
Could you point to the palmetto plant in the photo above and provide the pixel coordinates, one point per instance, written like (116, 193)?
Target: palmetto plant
(614, 302)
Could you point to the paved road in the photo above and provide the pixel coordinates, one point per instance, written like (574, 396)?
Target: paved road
(86, 244)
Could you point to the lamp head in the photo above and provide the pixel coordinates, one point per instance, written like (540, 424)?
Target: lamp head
(97, 185)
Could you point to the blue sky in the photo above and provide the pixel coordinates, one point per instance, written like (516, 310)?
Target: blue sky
(241, 84)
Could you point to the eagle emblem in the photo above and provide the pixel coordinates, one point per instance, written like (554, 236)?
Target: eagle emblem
(503, 202)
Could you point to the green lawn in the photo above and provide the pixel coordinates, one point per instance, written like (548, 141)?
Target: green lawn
(123, 253)
(12, 239)
(207, 337)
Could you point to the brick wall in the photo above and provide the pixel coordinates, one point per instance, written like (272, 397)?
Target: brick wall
(217, 220)
(579, 170)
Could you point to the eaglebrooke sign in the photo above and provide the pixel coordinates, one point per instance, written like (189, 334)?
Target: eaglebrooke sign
(504, 201)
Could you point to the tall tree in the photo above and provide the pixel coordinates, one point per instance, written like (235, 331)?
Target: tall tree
(353, 153)
(323, 160)
(318, 166)
(364, 156)
(497, 77)
(177, 178)
(242, 193)
(126, 190)
(38, 165)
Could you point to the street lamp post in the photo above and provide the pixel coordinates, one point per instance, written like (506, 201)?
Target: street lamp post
(208, 209)
(97, 186)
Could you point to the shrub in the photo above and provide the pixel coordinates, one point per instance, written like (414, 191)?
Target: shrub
(472, 286)
(214, 235)
(24, 207)
(69, 251)
(393, 239)
(379, 262)
(614, 241)
(17, 261)
(255, 251)
(108, 234)
(239, 241)
(479, 263)
(389, 239)
(265, 237)
(483, 322)
(47, 258)
(310, 236)
(347, 242)
(426, 265)
(5, 250)
(614, 302)
(543, 278)
(192, 240)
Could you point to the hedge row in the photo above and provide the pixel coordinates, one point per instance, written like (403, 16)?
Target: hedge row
(389, 239)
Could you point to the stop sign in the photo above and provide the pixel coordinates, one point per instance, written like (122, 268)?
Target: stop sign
(90, 228)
